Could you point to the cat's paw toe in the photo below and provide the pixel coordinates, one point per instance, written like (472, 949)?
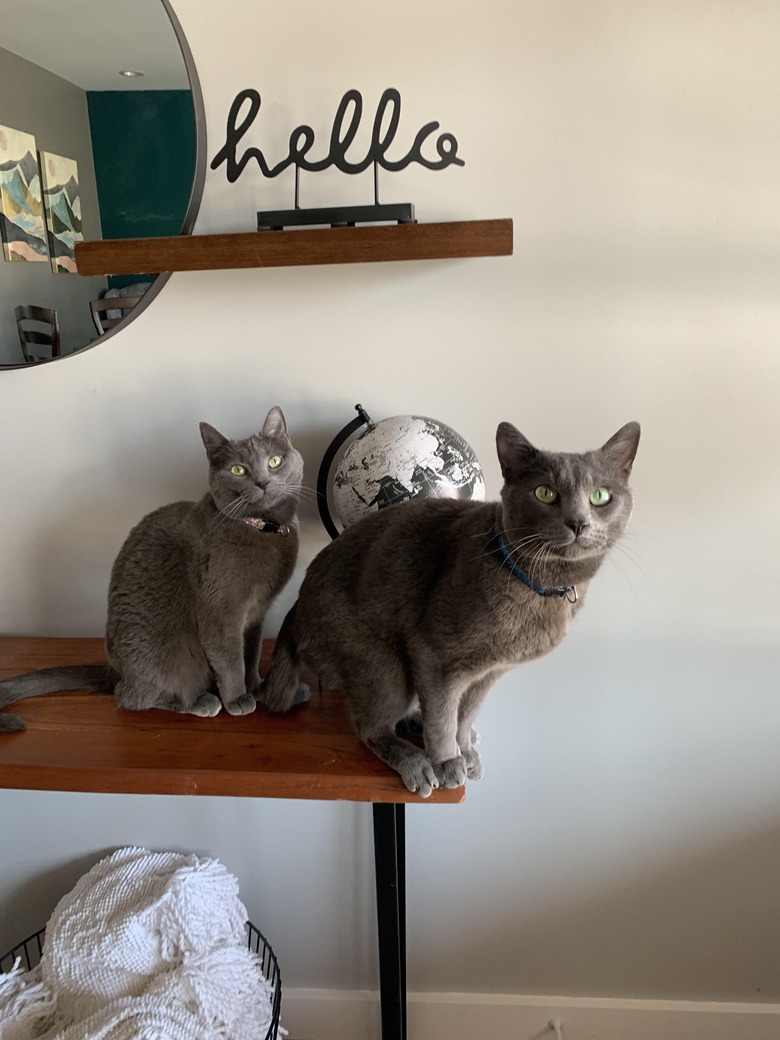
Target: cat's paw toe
(206, 706)
(302, 694)
(420, 778)
(242, 706)
(474, 768)
(452, 772)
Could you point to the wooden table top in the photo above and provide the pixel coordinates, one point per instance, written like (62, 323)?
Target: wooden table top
(83, 742)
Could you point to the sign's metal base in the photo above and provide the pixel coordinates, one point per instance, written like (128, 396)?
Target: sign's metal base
(336, 216)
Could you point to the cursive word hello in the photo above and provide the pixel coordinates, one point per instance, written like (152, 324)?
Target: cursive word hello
(345, 127)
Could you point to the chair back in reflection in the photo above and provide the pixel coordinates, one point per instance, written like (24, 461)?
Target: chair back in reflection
(107, 313)
(39, 332)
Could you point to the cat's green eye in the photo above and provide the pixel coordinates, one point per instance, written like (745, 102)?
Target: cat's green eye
(601, 496)
(238, 470)
(275, 462)
(546, 494)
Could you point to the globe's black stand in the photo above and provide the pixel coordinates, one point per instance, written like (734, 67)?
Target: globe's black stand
(327, 461)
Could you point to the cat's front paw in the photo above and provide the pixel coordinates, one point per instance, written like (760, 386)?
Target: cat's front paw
(242, 705)
(474, 768)
(206, 706)
(452, 772)
(419, 777)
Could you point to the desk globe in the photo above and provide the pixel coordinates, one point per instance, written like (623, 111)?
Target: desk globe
(394, 460)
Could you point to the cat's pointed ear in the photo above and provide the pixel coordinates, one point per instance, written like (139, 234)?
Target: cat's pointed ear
(619, 451)
(514, 450)
(212, 439)
(275, 425)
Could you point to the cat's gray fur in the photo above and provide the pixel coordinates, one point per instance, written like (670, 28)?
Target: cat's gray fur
(414, 613)
(190, 588)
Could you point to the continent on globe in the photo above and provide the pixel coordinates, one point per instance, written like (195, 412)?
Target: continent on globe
(401, 458)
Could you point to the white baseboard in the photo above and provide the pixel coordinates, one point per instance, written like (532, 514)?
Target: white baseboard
(316, 1014)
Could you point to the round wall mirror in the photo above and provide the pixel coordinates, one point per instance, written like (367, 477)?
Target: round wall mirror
(101, 137)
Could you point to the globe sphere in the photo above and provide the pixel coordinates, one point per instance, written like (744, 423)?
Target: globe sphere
(402, 458)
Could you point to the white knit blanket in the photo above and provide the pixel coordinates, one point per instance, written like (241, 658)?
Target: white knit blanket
(147, 946)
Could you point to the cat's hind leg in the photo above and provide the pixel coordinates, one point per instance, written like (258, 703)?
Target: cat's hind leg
(134, 696)
(206, 705)
(375, 710)
(181, 683)
(409, 761)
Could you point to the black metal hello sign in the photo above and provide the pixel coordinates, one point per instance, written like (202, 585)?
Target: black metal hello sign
(346, 123)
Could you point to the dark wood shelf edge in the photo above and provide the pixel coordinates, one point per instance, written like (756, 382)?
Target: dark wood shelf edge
(290, 248)
(207, 784)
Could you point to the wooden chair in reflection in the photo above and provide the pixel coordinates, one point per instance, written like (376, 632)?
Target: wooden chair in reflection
(107, 313)
(38, 327)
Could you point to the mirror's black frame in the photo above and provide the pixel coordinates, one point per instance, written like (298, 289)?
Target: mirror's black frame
(193, 205)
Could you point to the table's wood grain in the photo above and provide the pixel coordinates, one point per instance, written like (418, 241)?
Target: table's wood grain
(83, 742)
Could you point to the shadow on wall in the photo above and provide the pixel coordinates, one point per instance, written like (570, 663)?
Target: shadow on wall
(41, 888)
(625, 840)
(712, 920)
(147, 469)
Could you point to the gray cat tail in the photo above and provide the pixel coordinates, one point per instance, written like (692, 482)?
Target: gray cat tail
(280, 689)
(94, 678)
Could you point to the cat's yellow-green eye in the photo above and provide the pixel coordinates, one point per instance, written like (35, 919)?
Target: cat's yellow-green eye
(601, 496)
(275, 462)
(546, 494)
(238, 470)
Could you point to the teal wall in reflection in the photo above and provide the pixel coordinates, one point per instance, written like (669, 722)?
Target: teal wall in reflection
(143, 143)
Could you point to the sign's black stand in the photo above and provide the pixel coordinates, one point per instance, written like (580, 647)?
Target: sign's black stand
(390, 863)
(336, 216)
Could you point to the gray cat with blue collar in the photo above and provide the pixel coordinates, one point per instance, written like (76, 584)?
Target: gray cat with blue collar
(415, 611)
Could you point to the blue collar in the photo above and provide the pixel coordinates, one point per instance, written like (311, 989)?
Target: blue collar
(568, 592)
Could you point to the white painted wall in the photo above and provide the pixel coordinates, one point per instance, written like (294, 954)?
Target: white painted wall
(625, 839)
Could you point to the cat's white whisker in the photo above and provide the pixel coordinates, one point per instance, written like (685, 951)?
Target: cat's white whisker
(631, 559)
(625, 578)
(303, 494)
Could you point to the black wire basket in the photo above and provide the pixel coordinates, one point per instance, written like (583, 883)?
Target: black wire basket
(30, 949)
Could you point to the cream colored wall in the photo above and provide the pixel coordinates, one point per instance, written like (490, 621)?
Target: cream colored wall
(624, 840)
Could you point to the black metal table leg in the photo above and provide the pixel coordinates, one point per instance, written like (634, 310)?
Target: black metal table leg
(390, 863)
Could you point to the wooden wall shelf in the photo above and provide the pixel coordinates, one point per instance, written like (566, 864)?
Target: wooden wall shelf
(83, 742)
(342, 245)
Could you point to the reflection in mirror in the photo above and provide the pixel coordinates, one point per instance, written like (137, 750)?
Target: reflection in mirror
(88, 151)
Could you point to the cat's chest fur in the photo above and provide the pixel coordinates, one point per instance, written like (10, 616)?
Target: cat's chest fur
(431, 584)
(242, 558)
(510, 625)
(184, 545)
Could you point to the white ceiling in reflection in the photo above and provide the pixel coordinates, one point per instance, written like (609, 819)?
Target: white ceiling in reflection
(88, 41)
